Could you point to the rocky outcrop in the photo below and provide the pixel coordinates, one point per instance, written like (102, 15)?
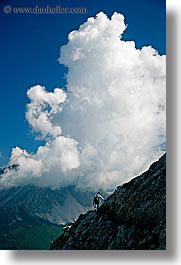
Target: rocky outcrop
(133, 217)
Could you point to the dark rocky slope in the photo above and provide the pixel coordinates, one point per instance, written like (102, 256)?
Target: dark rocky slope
(133, 217)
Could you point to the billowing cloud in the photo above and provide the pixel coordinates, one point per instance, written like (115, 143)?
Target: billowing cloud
(41, 109)
(52, 162)
(111, 124)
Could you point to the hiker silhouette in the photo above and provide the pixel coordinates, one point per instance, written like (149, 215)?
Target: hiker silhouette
(96, 201)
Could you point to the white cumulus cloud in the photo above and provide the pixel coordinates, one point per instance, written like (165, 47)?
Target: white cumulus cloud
(41, 109)
(110, 125)
(52, 162)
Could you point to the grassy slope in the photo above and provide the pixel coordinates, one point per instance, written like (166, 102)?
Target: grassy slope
(30, 237)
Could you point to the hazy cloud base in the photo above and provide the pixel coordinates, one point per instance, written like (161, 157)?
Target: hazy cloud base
(110, 124)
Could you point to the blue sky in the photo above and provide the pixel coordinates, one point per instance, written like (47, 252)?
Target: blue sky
(29, 50)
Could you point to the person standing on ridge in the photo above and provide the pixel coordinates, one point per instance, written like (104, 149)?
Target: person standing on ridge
(96, 201)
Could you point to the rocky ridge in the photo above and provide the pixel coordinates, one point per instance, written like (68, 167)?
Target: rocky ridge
(132, 218)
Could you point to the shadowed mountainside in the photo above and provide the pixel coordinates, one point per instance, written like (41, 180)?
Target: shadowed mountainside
(133, 217)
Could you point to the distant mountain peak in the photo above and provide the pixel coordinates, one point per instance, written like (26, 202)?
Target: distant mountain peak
(58, 206)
